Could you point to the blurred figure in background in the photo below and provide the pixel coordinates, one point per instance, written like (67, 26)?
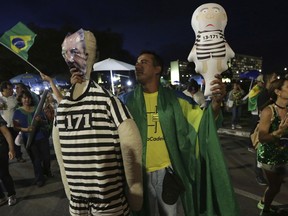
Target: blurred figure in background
(39, 150)
(6, 152)
(252, 99)
(236, 95)
(21, 87)
(7, 112)
(193, 90)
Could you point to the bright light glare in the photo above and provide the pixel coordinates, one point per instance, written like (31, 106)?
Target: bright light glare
(129, 83)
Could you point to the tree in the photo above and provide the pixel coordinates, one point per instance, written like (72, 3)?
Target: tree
(45, 54)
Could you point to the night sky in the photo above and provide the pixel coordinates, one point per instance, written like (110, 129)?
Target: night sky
(255, 27)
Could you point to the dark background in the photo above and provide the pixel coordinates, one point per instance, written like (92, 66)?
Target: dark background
(124, 28)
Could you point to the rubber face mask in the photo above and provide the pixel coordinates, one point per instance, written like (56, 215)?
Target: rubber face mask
(74, 51)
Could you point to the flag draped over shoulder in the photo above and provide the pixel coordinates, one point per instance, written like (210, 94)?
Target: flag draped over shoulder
(195, 153)
(19, 39)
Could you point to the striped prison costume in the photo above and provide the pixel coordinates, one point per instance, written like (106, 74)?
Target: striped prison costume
(210, 44)
(91, 151)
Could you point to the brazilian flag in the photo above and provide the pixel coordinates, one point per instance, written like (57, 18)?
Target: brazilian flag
(19, 39)
(253, 96)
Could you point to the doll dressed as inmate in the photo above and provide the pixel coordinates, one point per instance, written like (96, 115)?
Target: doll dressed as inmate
(97, 143)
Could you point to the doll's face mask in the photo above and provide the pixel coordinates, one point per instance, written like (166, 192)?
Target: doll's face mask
(74, 51)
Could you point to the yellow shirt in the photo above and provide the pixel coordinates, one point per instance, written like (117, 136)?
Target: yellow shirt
(157, 156)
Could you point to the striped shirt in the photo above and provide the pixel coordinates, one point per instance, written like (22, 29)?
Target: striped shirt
(210, 44)
(90, 145)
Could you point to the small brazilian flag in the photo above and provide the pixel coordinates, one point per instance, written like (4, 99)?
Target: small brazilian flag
(19, 39)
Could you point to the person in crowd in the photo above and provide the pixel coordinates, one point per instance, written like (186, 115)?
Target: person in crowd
(10, 102)
(193, 90)
(49, 109)
(253, 96)
(6, 152)
(100, 142)
(19, 87)
(177, 148)
(262, 100)
(272, 151)
(169, 123)
(264, 97)
(38, 150)
(252, 99)
(236, 95)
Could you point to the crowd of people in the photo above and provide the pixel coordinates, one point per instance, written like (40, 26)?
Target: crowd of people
(120, 154)
(267, 103)
(17, 108)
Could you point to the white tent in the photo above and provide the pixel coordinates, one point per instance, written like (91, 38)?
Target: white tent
(112, 65)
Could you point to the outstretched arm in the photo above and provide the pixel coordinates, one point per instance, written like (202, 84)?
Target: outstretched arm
(218, 93)
(55, 90)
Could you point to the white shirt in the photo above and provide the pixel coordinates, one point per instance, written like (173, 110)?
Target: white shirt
(198, 97)
(8, 113)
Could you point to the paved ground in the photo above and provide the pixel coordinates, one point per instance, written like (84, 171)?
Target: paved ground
(50, 200)
(245, 122)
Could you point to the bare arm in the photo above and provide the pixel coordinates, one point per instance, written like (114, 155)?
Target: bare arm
(6, 133)
(264, 126)
(55, 90)
(218, 93)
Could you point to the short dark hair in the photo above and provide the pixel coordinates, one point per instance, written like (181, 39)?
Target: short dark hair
(26, 93)
(157, 60)
(22, 85)
(4, 85)
(192, 85)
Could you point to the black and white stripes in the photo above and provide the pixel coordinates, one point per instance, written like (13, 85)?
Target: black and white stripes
(210, 44)
(90, 145)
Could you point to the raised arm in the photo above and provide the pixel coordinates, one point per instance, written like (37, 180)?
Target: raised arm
(55, 90)
(218, 93)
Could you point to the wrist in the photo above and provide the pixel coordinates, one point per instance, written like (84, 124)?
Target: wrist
(276, 134)
(25, 130)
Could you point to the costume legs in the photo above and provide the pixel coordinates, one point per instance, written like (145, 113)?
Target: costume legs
(97, 208)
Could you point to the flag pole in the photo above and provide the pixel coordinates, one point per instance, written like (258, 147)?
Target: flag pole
(20, 57)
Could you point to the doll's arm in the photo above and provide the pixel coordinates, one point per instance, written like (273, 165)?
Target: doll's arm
(131, 147)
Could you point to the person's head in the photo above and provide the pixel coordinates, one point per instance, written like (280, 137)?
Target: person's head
(6, 88)
(278, 89)
(20, 87)
(50, 98)
(260, 81)
(79, 51)
(236, 86)
(25, 98)
(268, 78)
(149, 67)
(192, 86)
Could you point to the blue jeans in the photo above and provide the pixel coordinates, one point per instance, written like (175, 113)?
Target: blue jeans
(236, 113)
(156, 205)
(40, 157)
